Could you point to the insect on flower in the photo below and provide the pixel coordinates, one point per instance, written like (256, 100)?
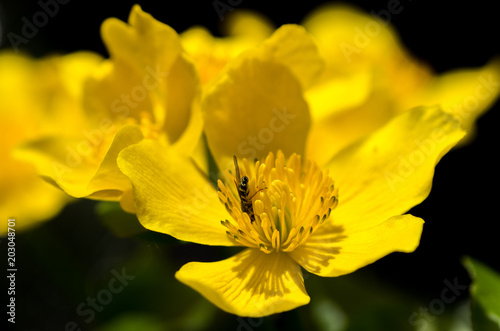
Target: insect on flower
(243, 191)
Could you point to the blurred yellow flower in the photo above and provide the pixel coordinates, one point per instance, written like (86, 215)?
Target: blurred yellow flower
(146, 89)
(244, 31)
(310, 111)
(368, 77)
(152, 84)
(285, 218)
(40, 98)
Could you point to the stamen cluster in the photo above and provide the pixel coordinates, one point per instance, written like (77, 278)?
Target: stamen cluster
(296, 201)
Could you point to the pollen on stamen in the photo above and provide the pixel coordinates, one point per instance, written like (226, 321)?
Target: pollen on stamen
(285, 202)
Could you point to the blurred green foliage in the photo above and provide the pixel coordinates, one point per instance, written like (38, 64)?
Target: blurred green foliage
(485, 293)
(75, 262)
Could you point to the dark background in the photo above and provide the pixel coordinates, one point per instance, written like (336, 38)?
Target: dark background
(460, 214)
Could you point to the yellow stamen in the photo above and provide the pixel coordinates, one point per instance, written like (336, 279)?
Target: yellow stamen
(290, 201)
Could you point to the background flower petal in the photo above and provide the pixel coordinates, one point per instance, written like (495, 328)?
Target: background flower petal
(340, 31)
(147, 79)
(338, 129)
(292, 46)
(248, 24)
(40, 97)
(109, 176)
(369, 77)
(465, 93)
(211, 54)
(69, 164)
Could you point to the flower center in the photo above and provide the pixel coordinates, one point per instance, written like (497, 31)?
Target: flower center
(276, 206)
(150, 129)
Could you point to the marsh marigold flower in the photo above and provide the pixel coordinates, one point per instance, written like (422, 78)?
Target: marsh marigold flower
(367, 78)
(146, 89)
(330, 221)
(328, 160)
(370, 78)
(155, 82)
(287, 209)
(40, 98)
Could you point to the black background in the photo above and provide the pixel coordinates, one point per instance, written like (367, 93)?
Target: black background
(461, 212)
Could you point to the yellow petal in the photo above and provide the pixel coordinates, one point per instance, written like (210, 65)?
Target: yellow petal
(210, 54)
(465, 93)
(127, 201)
(347, 107)
(172, 196)
(27, 198)
(248, 24)
(332, 251)
(68, 164)
(339, 129)
(40, 97)
(391, 170)
(250, 283)
(350, 39)
(293, 47)
(109, 176)
(74, 69)
(44, 95)
(368, 77)
(124, 40)
(338, 93)
(181, 88)
(148, 80)
(255, 108)
(30, 200)
(192, 143)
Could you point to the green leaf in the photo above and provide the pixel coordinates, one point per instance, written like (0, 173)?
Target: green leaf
(485, 293)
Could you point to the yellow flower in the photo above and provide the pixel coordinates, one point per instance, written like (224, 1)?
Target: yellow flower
(146, 89)
(39, 99)
(370, 78)
(244, 31)
(287, 209)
